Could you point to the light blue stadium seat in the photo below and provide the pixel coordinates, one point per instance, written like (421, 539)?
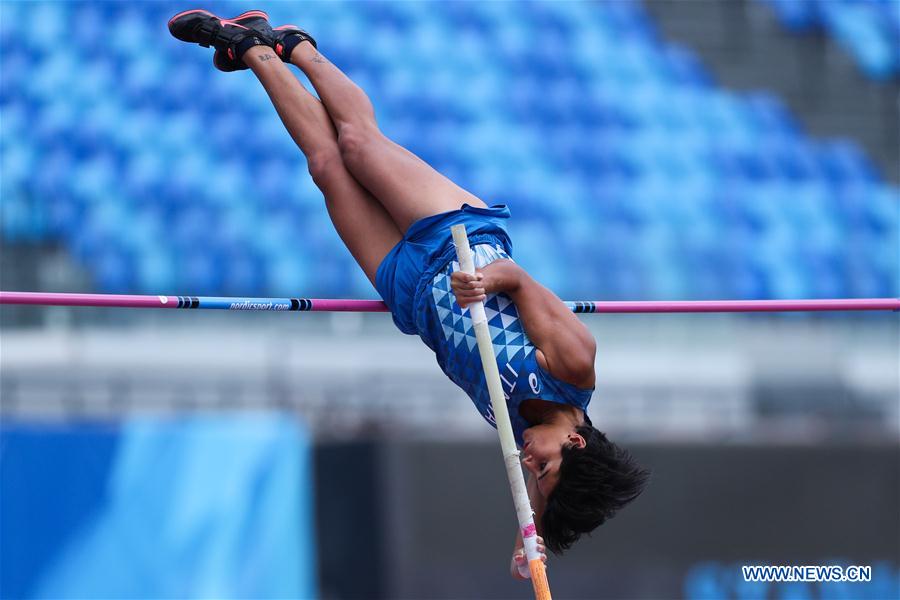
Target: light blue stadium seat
(243, 271)
(113, 269)
(770, 116)
(883, 212)
(289, 275)
(685, 68)
(200, 270)
(154, 271)
(869, 30)
(14, 70)
(844, 162)
(807, 208)
(797, 15)
(862, 29)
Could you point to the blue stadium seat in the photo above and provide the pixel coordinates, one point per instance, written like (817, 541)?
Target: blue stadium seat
(869, 30)
(685, 68)
(844, 162)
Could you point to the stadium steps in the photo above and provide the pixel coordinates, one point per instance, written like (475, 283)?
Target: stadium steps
(745, 47)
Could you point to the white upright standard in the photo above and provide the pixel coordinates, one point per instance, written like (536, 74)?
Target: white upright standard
(504, 428)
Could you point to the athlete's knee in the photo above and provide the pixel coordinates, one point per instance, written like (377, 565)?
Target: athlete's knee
(325, 166)
(356, 139)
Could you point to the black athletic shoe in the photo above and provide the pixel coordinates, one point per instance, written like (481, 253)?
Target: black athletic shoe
(230, 37)
(286, 39)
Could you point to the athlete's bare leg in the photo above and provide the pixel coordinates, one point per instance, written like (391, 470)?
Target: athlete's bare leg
(404, 184)
(362, 222)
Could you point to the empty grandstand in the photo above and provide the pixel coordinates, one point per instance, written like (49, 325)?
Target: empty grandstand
(599, 126)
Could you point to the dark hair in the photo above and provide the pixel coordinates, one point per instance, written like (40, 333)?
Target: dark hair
(594, 483)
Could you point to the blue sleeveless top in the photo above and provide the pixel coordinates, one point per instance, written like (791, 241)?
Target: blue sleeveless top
(451, 335)
(414, 281)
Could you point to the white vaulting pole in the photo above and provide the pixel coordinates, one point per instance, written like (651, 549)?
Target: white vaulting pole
(504, 427)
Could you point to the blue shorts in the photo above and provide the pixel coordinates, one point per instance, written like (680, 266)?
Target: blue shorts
(426, 248)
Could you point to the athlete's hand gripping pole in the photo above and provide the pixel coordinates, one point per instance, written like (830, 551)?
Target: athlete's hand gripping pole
(504, 428)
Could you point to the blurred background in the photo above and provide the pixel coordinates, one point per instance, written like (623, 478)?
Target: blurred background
(648, 150)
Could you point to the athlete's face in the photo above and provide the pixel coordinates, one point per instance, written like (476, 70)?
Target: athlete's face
(542, 452)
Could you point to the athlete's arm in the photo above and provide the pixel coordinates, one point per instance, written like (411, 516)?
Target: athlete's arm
(564, 344)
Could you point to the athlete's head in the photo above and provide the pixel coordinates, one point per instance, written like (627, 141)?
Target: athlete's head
(584, 477)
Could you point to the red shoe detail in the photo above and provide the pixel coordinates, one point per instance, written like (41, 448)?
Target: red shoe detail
(230, 54)
(232, 23)
(279, 49)
(248, 14)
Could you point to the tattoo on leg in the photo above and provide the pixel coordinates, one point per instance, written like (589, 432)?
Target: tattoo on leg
(318, 58)
(265, 57)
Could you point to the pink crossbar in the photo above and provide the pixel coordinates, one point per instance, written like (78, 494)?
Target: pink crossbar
(738, 306)
(108, 300)
(339, 305)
